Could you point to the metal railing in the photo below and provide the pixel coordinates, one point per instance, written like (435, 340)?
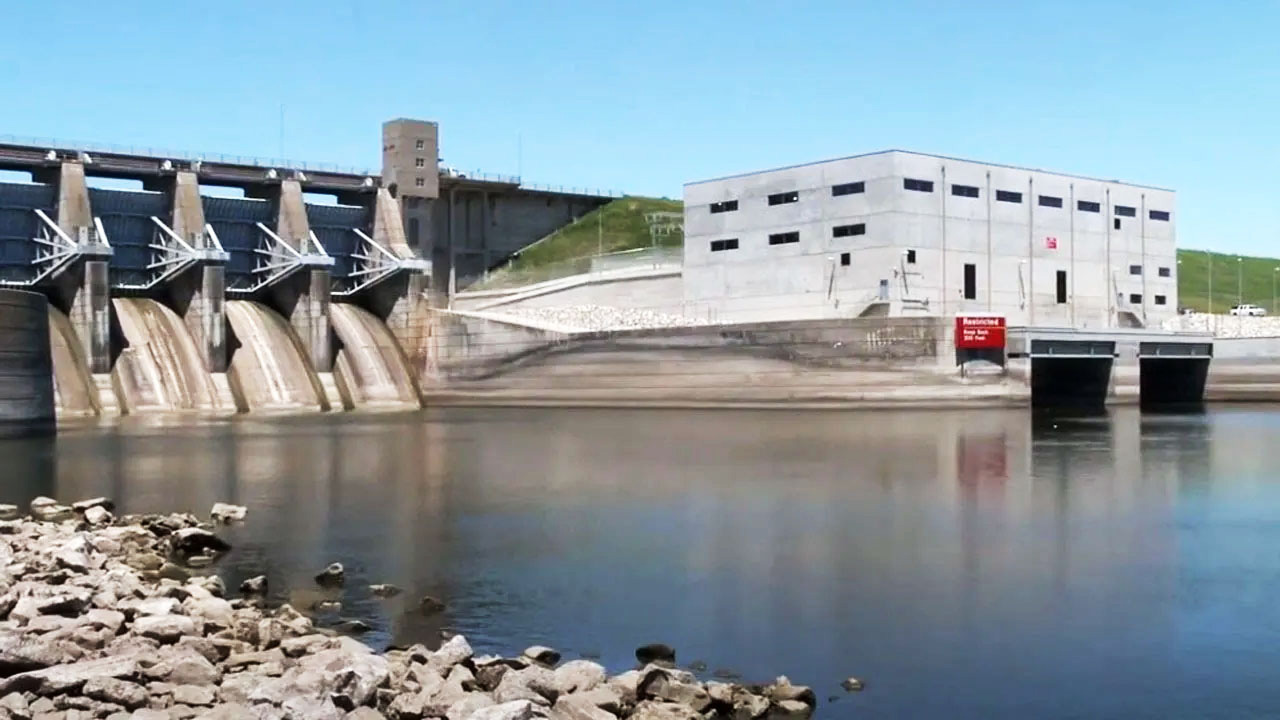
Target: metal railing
(171, 154)
(641, 258)
(159, 153)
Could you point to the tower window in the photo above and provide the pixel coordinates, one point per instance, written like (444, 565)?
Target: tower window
(964, 191)
(725, 206)
(844, 259)
(847, 230)
(917, 185)
(784, 198)
(852, 188)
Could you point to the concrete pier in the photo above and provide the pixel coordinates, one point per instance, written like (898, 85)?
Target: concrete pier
(26, 366)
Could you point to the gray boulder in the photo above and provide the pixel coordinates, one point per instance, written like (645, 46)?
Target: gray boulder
(659, 684)
(578, 707)
(98, 516)
(84, 506)
(166, 629)
(332, 576)
(579, 676)
(455, 650)
(514, 710)
(468, 706)
(656, 653)
(385, 590)
(226, 513)
(542, 655)
(59, 679)
(254, 586)
(535, 684)
(120, 692)
(189, 541)
(9, 512)
(658, 710)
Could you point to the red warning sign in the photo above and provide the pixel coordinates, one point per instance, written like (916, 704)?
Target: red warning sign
(1051, 242)
(980, 332)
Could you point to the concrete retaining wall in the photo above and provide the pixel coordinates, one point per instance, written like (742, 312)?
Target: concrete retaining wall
(26, 365)
(830, 363)
(646, 289)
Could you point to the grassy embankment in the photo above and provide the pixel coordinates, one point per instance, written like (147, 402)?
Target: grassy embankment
(621, 225)
(1252, 284)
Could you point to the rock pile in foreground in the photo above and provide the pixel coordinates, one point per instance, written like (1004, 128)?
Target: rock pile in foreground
(99, 618)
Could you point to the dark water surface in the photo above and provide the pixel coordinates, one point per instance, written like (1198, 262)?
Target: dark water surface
(965, 564)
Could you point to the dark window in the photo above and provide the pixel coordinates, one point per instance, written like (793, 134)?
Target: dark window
(970, 281)
(847, 230)
(1062, 286)
(726, 206)
(720, 245)
(1158, 215)
(784, 198)
(844, 258)
(1160, 300)
(1050, 201)
(1086, 206)
(1135, 298)
(917, 185)
(1126, 211)
(1164, 272)
(784, 238)
(1117, 223)
(419, 162)
(419, 182)
(1008, 196)
(419, 144)
(848, 189)
(911, 257)
(964, 190)
(1135, 269)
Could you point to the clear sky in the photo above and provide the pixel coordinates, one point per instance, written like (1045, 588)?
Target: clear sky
(642, 97)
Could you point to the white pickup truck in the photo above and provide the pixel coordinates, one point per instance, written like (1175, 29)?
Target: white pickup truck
(1248, 311)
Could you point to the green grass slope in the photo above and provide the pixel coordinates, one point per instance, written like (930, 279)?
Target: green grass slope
(1248, 280)
(620, 225)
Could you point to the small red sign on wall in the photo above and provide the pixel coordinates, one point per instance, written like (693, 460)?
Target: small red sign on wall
(1051, 243)
(980, 332)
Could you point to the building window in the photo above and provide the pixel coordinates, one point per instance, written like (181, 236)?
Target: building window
(848, 230)
(964, 191)
(1086, 206)
(722, 245)
(845, 259)
(784, 238)
(1117, 223)
(419, 182)
(1135, 298)
(1062, 287)
(917, 185)
(1008, 196)
(911, 257)
(1050, 201)
(1158, 214)
(784, 198)
(970, 281)
(1164, 272)
(1160, 300)
(419, 162)
(420, 144)
(1126, 211)
(1135, 269)
(726, 206)
(852, 188)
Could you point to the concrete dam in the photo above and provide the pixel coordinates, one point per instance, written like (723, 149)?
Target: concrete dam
(166, 299)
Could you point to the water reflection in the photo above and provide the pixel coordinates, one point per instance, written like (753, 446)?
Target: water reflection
(970, 564)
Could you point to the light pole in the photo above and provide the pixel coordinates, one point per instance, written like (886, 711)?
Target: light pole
(1274, 270)
(1210, 256)
(1239, 281)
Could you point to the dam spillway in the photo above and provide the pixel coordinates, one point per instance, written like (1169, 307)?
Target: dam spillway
(370, 362)
(268, 366)
(167, 299)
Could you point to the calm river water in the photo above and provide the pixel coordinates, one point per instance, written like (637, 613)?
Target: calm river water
(965, 564)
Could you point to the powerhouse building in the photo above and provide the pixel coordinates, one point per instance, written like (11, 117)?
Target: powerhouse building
(902, 233)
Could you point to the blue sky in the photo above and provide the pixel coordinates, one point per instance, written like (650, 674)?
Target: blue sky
(643, 97)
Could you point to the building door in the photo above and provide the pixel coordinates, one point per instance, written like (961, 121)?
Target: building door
(1062, 287)
(970, 281)
(884, 289)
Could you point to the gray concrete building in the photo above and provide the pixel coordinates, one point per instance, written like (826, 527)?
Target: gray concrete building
(908, 234)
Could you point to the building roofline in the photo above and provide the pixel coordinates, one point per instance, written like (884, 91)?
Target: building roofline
(931, 155)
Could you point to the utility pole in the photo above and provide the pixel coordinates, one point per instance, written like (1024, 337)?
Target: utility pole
(1274, 270)
(1239, 280)
(1210, 256)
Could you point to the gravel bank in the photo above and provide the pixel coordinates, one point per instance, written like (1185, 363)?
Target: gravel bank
(1225, 326)
(103, 617)
(602, 317)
